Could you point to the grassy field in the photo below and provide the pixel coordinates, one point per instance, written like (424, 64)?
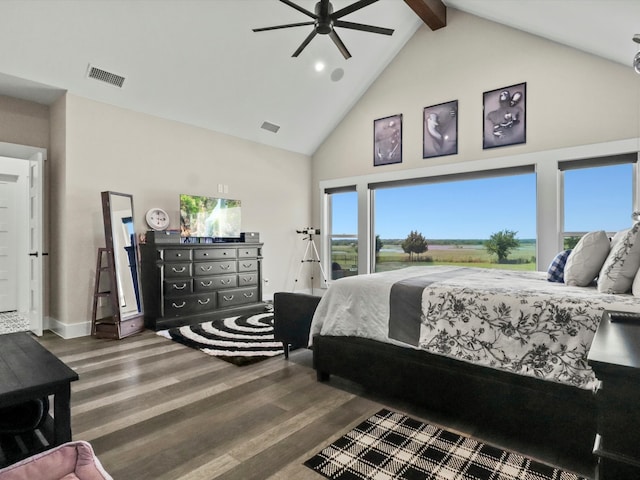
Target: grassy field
(391, 256)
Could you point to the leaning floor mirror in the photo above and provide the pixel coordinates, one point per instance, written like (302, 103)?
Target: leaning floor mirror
(122, 255)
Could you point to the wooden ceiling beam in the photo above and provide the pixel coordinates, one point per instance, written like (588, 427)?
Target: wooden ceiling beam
(432, 12)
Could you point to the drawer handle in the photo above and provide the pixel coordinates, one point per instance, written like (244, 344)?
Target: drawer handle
(228, 299)
(173, 304)
(247, 279)
(225, 282)
(175, 270)
(224, 253)
(207, 268)
(207, 284)
(248, 295)
(205, 254)
(225, 267)
(178, 254)
(247, 265)
(204, 303)
(180, 287)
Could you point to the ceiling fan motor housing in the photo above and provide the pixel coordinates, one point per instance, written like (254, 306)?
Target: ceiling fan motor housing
(324, 23)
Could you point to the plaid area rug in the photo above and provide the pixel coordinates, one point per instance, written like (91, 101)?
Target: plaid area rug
(390, 445)
(239, 340)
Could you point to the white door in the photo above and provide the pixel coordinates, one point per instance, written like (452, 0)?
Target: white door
(8, 243)
(36, 254)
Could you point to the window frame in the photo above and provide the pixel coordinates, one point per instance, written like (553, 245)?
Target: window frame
(549, 199)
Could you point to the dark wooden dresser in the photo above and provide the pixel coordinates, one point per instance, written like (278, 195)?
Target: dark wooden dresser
(615, 359)
(185, 284)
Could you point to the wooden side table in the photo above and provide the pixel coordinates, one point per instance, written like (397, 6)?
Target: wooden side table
(615, 359)
(30, 371)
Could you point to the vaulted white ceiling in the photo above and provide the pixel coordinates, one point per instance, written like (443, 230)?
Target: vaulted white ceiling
(198, 61)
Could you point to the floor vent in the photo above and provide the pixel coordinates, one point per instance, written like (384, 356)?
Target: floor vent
(270, 127)
(104, 76)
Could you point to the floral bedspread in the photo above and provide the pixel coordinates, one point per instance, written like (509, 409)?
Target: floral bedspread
(509, 320)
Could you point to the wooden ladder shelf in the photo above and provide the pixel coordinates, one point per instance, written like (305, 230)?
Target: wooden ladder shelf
(104, 267)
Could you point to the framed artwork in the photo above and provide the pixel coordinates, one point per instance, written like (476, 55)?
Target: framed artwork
(505, 116)
(387, 140)
(440, 130)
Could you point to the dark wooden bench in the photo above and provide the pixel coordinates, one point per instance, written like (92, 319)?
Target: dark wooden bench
(292, 315)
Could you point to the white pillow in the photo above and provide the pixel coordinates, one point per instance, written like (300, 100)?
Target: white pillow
(620, 267)
(586, 259)
(635, 286)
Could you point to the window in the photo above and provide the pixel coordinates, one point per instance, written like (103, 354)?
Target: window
(596, 197)
(343, 237)
(456, 215)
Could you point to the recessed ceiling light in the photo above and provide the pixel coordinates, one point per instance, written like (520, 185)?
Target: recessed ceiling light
(319, 66)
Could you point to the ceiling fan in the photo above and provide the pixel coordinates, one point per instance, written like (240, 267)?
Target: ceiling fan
(325, 20)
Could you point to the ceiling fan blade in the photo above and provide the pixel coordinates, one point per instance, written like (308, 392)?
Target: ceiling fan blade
(343, 50)
(364, 28)
(299, 8)
(305, 43)
(264, 29)
(351, 8)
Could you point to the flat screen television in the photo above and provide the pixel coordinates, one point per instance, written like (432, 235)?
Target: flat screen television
(209, 217)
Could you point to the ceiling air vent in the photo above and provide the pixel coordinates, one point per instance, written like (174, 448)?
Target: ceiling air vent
(270, 127)
(104, 76)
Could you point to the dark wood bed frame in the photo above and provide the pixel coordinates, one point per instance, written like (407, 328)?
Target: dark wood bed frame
(555, 416)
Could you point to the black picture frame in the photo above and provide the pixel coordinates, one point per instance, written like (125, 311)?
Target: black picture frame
(504, 116)
(387, 140)
(440, 130)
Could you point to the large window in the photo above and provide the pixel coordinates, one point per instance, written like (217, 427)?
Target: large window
(458, 221)
(596, 198)
(343, 237)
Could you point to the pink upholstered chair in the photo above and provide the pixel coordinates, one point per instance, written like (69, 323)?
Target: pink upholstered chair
(70, 461)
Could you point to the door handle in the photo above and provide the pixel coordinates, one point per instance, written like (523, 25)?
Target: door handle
(35, 254)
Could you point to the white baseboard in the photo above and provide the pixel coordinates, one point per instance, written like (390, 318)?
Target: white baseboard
(65, 330)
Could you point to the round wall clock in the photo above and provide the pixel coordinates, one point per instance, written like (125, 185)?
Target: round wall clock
(157, 219)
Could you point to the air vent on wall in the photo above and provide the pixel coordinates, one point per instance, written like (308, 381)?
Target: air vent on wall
(104, 76)
(270, 127)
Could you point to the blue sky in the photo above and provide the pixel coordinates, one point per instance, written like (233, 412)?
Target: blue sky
(595, 199)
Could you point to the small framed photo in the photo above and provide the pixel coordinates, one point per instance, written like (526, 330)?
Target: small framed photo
(505, 116)
(440, 130)
(387, 140)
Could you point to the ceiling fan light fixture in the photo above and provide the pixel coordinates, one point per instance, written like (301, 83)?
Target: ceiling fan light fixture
(636, 59)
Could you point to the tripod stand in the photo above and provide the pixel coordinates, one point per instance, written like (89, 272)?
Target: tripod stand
(310, 256)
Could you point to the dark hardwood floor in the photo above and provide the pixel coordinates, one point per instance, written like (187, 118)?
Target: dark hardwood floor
(154, 409)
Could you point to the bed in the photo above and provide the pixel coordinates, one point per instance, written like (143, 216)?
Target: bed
(505, 349)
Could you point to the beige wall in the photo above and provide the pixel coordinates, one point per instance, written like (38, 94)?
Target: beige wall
(95, 147)
(573, 98)
(109, 148)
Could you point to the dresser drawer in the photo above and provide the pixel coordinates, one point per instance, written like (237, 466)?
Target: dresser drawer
(180, 306)
(247, 265)
(178, 287)
(177, 270)
(214, 253)
(237, 296)
(245, 279)
(204, 302)
(247, 252)
(205, 284)
(213, 268)
(176, 255)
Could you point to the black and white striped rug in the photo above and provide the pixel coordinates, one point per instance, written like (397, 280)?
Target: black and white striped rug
(392, 446)
(239, 340)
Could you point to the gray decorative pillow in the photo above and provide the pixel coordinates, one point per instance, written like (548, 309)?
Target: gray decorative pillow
(586, 259)
(621, 265)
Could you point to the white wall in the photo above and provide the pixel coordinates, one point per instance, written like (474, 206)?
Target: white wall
(574, 100)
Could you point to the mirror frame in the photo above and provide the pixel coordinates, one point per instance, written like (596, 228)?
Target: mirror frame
(110, 234)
